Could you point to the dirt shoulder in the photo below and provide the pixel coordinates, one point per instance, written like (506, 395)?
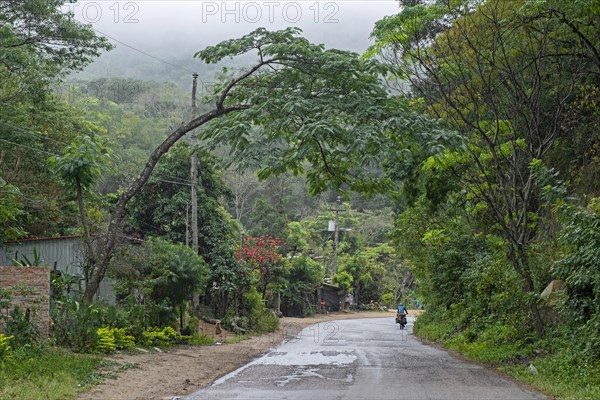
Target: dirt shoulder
(185, 369)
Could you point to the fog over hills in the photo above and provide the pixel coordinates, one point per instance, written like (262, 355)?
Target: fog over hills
(174, 30)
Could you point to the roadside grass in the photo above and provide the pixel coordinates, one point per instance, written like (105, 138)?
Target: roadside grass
(560, 370)
(238, 338)
(50, 373)
(54, 373)
(563, 376)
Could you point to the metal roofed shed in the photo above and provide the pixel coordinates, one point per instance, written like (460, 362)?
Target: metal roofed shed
(63, 253)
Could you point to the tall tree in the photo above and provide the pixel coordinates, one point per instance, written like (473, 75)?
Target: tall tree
(79, 168)
(39, 45)
(502, 80)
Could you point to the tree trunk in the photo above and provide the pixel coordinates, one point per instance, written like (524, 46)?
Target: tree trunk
(180, 318)
(518, 258)
(100, 265)
(264, 287)
(87, 241)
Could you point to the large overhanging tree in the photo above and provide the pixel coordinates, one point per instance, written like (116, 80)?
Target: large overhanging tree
(300, 108)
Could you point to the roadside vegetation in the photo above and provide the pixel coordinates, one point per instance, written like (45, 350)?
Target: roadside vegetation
(465, 153)
(36, 372)
(501, 230)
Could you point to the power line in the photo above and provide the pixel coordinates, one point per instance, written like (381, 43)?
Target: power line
(173, 182)
(30, 148)
(30, 132)
(57, 155)
(72, 129)
(182, 180)
(144, 53)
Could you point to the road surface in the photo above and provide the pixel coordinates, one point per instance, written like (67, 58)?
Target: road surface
(361, 359)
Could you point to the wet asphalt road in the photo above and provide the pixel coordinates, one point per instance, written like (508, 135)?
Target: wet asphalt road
(360, 359)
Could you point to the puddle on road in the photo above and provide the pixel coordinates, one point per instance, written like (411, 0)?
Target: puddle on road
(326, 357)
(302, 373)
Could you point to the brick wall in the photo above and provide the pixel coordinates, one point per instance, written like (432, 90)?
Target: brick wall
(30, 288)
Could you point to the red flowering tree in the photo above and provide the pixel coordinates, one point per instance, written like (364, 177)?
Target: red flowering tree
(262, 254)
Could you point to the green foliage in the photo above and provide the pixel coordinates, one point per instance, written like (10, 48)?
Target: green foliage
(201, 340)
(388, 299)
(26, 262)
(260, 319)
(161, 337)
(343, 280)
(367, 274)
(5, 349)
(160, 207)
(75, 325)
(578, 378)
(10, 209)
(20, 325)
(82, 163)
(455, 53)
(6, 297)
(50, 210)
(266, 322)
(296, 238)
(160, 275)
(106, 340)
(39, 44)
(301, 281)
(336, 146)
(496, 342)
(176, 271)
(122, 339)
(46, 373)
(16, 322)
(579, 267)
(111, 339)
(45, 45)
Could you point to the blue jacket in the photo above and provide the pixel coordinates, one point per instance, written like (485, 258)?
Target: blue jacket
(402, 309)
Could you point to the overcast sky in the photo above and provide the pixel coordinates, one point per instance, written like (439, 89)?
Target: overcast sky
(186, 26)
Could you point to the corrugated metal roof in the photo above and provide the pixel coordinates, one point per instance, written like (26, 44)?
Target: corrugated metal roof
(42, 238)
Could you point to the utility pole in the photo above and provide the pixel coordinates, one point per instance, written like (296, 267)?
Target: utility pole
(194, 171)
(336, 234)
(187, 224)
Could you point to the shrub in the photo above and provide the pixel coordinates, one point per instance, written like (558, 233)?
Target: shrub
(236, 324)
(579, 267)
(111, 339)
(266, 322)
(75, 325)
(388, 299)
(20, 326)
(122, 339)
(260, 319)
(159, 337)
(5, 350)
(201, 340)
(106, 340)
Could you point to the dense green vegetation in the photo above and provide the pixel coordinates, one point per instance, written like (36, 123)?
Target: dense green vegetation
(488, 223)
(470, 188)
